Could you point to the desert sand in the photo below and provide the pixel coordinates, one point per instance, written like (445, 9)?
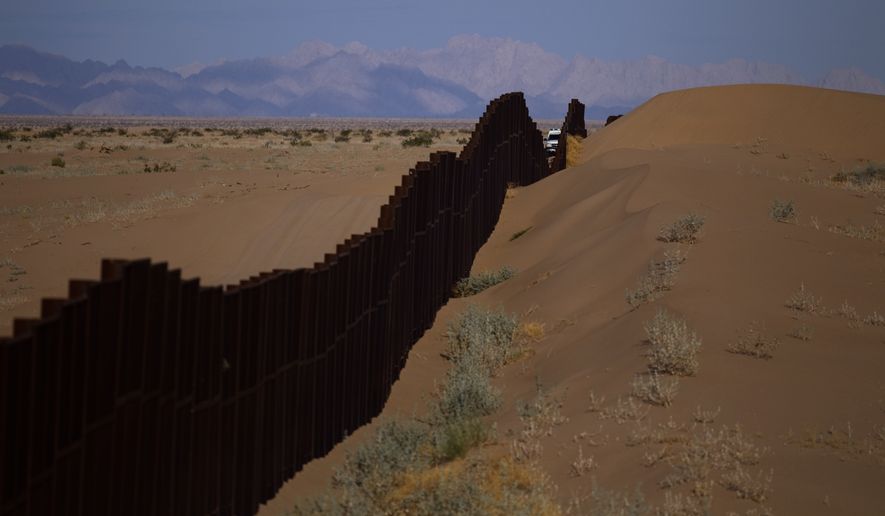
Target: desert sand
(810, 412)
(811, 415)
(220, 204)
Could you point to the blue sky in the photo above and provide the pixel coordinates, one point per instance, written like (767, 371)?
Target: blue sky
(810, 36)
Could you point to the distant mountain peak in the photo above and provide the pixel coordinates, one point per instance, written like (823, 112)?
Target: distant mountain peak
(317, 77)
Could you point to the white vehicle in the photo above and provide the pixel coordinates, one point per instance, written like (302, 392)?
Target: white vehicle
(552, 140)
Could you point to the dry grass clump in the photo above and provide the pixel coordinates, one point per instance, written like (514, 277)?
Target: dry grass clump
(803, 301)
(722, 457)
(754, 343)
(674, 347)
(582, 465)
(660, 277)
(802, 332)
(865, 179)
(479, 282)
(873, 233)
(606, 502)
(655, 390)
(874, 319)
(783, 211)
(474, 486)
(624, 410)
(683, 230)
(538, 417)
(574, 147)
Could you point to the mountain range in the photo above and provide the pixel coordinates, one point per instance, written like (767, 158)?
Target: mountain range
(320, 79)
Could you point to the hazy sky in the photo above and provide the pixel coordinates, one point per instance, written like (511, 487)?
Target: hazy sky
(810, 36)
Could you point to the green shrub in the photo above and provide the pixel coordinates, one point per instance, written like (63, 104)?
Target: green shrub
(683, 230)
(479, 282)
(404, 133)
(455, 439)
(81, 145)
(58, 161)
(783, 211)
(421, 139)
(6, 135)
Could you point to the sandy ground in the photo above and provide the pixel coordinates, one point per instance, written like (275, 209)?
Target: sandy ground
(815, 408)
(218, 206)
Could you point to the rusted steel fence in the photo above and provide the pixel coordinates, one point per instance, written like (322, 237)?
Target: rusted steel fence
(144, 393)
(573, 125)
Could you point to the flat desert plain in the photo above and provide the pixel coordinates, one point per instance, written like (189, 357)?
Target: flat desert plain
(783, 289)
(222, 200)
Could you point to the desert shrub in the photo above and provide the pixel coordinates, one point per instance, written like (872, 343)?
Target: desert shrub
(257, 131)
(461, 141)
(861, 177)
(58, 161)
(373, 469)
(607, 502)
(124, 132)
(874, 319)
(484, 334)
(6, 135)
(685, 229)
(659, 278)
(343, 136)
(803, 301)
(674, 347)
(754, 343)
(385, 134)
(422, 139)
(404, 133)
(655, 390)
(81, 145)
(467, 392)
(454, 440)
(783, 211)
(479, 282)
(52, 133)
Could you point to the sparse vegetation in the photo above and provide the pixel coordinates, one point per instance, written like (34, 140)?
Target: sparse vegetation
(420, 139)
(479, 282)
(655, 390)
(660, 277)
(6, 135)
(674, 347)
(683, 230)
(870, 178)
(413, 467)
(754, 343)
(58, 161)
(783, 211)
(803, 301)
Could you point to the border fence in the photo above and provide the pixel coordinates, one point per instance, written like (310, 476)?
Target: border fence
(574, 125)
(145, 393)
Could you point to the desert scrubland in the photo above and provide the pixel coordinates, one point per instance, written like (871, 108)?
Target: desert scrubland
(697, 314)
(688, 319)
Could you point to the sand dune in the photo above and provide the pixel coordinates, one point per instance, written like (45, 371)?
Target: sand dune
(727, 153)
